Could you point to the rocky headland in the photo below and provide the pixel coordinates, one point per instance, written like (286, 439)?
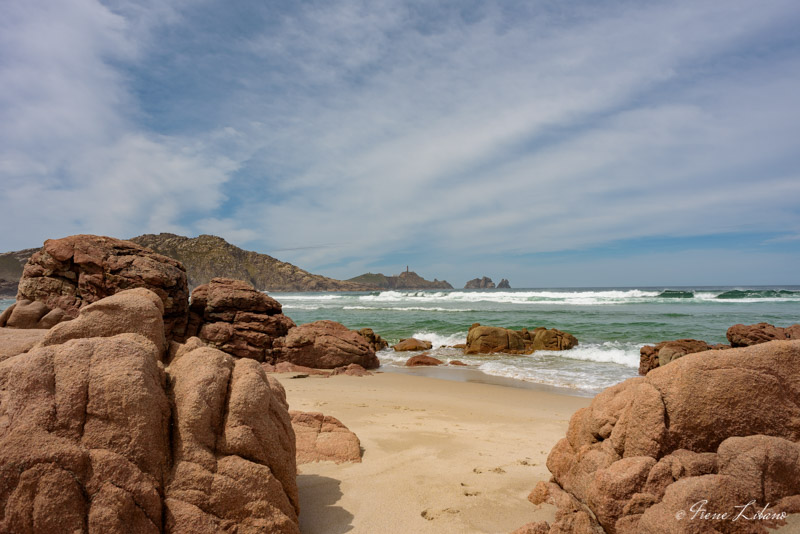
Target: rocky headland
(404, 280)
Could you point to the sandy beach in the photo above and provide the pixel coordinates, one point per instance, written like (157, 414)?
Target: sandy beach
(438, 455)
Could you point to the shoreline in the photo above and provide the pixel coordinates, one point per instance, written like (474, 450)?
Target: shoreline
(472, 375)
(439, 456)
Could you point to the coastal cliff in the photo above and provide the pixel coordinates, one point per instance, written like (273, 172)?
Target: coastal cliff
(404, 280)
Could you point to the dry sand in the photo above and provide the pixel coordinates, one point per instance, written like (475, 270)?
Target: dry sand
(438, 456)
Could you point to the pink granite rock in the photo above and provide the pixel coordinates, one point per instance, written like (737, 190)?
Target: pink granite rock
(232, 316)
(325, 345)
(324, 438)
(724, 428)
(74, 271)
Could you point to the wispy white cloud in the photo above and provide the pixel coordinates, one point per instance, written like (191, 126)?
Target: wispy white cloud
(396, 126)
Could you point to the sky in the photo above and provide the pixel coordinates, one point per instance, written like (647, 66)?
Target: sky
(556, 144)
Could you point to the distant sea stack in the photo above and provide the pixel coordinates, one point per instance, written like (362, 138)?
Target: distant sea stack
(404, 280)
(480, 283)
(207, 256)
(503, 284)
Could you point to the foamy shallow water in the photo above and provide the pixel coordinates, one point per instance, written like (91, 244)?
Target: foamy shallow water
(611, 324)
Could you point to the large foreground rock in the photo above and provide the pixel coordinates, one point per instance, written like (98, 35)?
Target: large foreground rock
(14, 341)
(235, 318)
(96, 436)
(234, 464)
(135, 311)
(724, 428)
(324, 438)
(28, 314)
(72, 272)
(325, 345)
(86, 440)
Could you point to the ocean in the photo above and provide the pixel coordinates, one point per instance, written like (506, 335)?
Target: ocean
(611, 324)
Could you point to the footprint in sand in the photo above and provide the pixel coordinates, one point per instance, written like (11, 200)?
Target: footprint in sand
(526, 461)
(469, 492)
(430, 515)
(498, 470)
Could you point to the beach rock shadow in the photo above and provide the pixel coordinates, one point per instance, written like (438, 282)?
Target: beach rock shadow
(318, 513)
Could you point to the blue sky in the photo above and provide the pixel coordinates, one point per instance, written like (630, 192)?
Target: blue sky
(551, 143)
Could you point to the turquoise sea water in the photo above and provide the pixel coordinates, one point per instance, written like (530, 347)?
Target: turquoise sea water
(611, 324)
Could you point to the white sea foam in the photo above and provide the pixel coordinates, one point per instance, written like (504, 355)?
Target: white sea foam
(608, 352)
(438, 340)
(514, 297)
(282, 297)
(300, 307)
(549, 377)
(407, 308)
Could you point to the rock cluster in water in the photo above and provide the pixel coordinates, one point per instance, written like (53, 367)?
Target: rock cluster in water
(480, 283)
(723, 427)
(491, 339)
(739, 335)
